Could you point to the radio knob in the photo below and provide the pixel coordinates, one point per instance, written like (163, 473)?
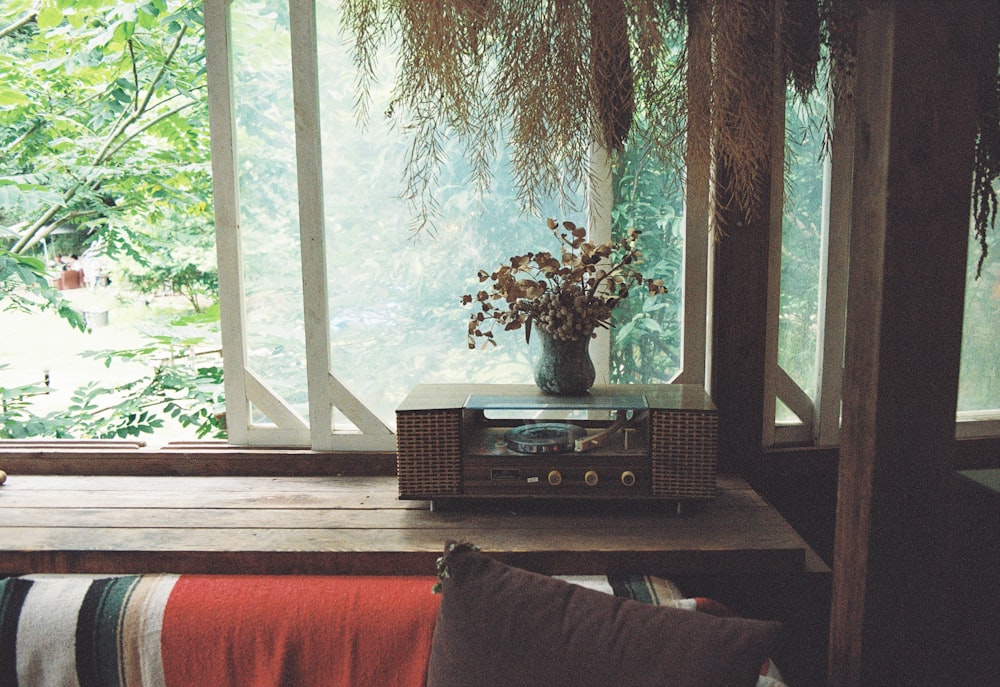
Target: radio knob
(555, 478)
(591, 478)
(628, 478)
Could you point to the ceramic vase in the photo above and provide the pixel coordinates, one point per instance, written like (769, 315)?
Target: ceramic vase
(564, 367)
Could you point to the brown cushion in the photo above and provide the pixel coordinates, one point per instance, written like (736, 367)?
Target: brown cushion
(499, 625)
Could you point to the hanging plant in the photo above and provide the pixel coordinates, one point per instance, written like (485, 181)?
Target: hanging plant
(986, 169)
(549, 78)
(552, 77)
(743, 99)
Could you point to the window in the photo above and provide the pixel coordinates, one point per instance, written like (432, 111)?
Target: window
(813, 293)
(979, 377)
(323, 342)
(333, 310)
(328, 340)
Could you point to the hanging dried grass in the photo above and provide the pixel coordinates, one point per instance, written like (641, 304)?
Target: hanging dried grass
(547, 77)
(550, 77)
(800, 42)
(743, 98)
(986, 169)
(840, 33)
(611, 72)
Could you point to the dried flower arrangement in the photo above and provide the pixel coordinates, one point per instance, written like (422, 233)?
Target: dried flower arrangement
(568, 296)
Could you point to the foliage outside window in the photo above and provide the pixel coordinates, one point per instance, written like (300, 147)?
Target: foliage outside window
(103, 122)
(394, 298)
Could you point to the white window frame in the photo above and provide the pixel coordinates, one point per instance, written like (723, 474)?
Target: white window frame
(819, 420)
(244, 390)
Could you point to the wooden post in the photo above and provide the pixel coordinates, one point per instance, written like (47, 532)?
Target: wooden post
(915, 129)
(740, 271)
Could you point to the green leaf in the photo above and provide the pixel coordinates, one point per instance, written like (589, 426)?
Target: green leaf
(49, 18)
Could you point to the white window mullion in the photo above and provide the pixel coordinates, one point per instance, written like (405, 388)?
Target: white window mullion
(309, 167)
(775, 227)
(833, 285)
(600, 199)
(227, 211)
(698, 227)
(325, 391)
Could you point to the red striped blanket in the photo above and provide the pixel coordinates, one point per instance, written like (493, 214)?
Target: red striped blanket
(246, 631)
(187, 631)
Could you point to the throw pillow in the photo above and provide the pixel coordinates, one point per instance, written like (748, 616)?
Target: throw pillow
(500, 625)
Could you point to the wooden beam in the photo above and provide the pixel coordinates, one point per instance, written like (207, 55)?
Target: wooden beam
(915, 129)
(740, 270)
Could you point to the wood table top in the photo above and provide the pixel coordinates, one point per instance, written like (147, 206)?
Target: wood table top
(357, 525)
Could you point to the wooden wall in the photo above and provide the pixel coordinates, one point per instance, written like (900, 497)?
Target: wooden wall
(915, 130)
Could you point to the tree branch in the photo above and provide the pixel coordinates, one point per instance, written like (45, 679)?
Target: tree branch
(30, 17)
(114, 142)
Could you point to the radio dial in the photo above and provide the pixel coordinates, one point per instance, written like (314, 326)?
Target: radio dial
(591, 478)
(628, 478)
(555, 478)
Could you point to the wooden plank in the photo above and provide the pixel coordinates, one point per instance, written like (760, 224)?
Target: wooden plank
(197, 501)
(195, 460)
(740, 291)
(320, 525)
(363, 518)
(690, 538)
(205, 485)
(915, 129)
(210, 485)
(64, 493)
(664, 562)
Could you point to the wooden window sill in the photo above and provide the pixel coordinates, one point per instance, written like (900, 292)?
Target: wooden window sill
(357, 525)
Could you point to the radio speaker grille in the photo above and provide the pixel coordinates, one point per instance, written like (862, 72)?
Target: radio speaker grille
(684, 453)
(429, 453)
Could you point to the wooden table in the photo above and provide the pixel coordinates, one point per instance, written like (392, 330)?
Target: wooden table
(355, 525)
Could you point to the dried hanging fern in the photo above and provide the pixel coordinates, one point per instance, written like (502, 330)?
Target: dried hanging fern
(986, 169)
(839, 31)
(550, 77)
(743, 97)
(611, 72)
(800, 42)
(547, 77)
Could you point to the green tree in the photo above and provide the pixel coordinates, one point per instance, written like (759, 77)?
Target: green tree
(24, 285)
(103, 117)
(104, 131)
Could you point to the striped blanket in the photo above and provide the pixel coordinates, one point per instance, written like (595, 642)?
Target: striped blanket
(246, 631)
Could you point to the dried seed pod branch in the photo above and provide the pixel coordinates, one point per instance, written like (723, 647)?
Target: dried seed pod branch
(568, 296)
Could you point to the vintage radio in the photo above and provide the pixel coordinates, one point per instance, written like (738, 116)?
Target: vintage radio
(654, 442)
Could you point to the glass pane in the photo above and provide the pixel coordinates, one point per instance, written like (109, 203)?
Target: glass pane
(979, 379)
(649, 196)
(801, 235)
(265, 139)
(646, 338)
(396, 318)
